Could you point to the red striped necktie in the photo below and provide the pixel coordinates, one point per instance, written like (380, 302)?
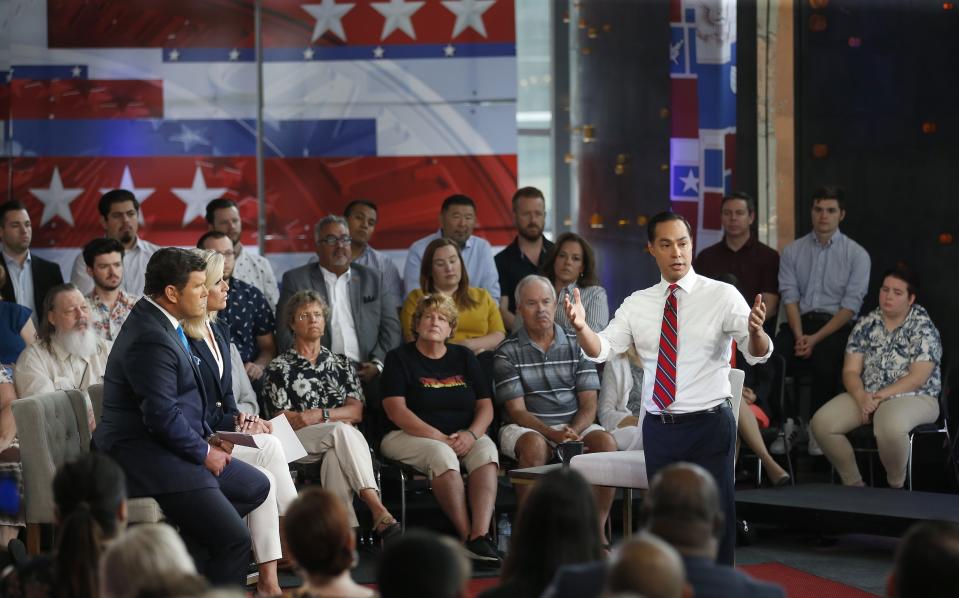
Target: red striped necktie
(664, 392)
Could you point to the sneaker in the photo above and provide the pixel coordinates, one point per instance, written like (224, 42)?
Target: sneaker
(482, 549)
(813, 447)
(791, 431)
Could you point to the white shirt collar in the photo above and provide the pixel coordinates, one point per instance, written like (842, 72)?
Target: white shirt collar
(686, 283)
(169, 316)
(332, 277)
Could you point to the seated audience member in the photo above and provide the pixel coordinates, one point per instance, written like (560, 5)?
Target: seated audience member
(68, 355)
(647, 566)
(248, 314)
(457, 221)
(425, 565)
(29, 277)
(323, 546)
(223, 216)
(892, 379)
(642, 565)
(362, 321)
(17, 329)
(621, 410)
(527, 253)
(682, 507)
(91, 510)
(154, 424)
(926, 562)
(109, 304)
(361, 215)
(555, 526)
(748, 432)
(246, 400)
(320, 394)
(120, 214)
(209, 342)
(437, 400)
(572, 265)
(479, 324)
(547, 388)
(139, 559)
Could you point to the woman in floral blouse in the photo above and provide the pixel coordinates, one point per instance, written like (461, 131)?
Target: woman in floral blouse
(892, 379)
(320, 395)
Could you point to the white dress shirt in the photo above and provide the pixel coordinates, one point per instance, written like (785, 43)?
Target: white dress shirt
(256, 270)
(343, 338)
(135, 262)
(711, 315)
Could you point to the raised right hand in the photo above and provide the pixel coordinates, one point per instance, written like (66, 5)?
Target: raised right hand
(575, 312)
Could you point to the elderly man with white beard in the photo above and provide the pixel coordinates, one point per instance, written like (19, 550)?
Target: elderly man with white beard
(68, 354)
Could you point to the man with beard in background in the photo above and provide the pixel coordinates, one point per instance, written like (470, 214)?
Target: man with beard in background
(68, 354)
(120, 214)
(527, 253)
(109, 305)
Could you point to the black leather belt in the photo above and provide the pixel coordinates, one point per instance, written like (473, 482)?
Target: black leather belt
(817, 316)
(678, 418)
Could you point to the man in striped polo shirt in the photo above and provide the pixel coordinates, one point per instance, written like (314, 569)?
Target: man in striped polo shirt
(547, 388)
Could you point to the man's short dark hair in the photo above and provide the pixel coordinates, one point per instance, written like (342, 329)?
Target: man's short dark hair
(14, 205)
(665, 217)
(527, 192)
(830, 192)
(359, 202)
(171, 266)
(927, 560)
(403, 558)
(905, 274)
(116, 196)
(100, 246)
(742, 195)
(210, 234)
(218, 204)
(457, 200)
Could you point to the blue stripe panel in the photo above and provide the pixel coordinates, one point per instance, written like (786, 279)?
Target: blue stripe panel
(713, 163)
(677, 45)
(319, 53)
(717, 102)
(44, 72)
(131, 138)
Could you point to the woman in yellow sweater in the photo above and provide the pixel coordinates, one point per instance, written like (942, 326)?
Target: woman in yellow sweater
(480, 325)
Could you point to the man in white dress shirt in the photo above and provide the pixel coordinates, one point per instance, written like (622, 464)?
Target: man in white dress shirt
(682, 329)
(120, 214)
(223, 216)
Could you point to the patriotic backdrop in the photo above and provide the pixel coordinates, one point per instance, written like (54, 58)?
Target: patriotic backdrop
(702, 57)
(401, 101)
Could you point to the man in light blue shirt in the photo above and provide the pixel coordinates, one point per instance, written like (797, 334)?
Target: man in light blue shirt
(823, 278)
(457, 221)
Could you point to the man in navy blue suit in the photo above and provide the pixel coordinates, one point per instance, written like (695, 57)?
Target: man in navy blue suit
(154, 425)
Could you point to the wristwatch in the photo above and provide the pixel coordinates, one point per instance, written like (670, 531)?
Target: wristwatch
(326, 416)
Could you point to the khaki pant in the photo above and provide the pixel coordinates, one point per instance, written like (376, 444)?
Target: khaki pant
(434, 458)
(347, 465)
(892, 422)
(510, 434)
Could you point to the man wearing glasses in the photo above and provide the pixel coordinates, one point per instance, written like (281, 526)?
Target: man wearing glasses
(248, 313)
(363, 324)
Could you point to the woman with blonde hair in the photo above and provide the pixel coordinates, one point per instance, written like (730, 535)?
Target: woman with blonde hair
(210, 344)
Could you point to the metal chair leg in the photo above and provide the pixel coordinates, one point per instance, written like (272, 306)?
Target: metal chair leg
(909, 463)
(403, 500)
(759, 472)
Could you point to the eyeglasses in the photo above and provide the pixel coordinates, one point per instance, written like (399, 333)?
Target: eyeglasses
(341, 241)
(315, 315)
(229, 253)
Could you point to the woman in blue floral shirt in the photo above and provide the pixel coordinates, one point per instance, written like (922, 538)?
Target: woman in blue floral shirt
(892, 379)
(320, 395)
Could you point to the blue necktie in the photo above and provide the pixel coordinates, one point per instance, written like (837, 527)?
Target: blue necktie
(186, 345)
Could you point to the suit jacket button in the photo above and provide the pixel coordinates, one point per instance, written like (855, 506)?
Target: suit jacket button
(219, 404)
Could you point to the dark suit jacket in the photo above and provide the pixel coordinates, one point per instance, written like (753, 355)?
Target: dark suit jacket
(154, 405)
(374, 314)
(46, 275)
(711, 580)
(221, 409)
(582, 580)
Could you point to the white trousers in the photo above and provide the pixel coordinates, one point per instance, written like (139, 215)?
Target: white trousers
(264, 521)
